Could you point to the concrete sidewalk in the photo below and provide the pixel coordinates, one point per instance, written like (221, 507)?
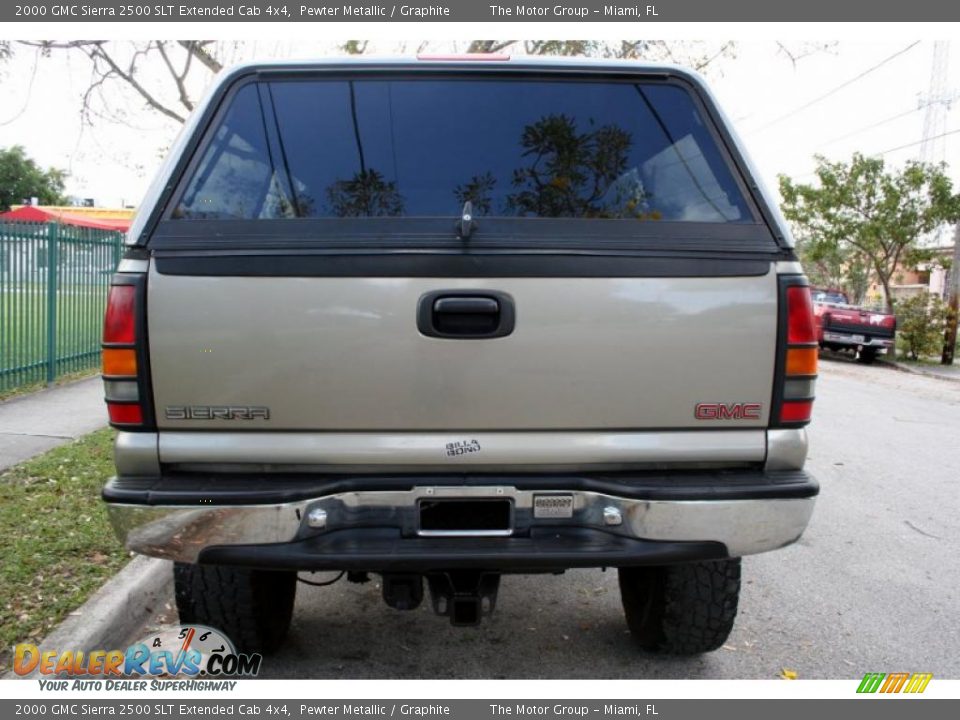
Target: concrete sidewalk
(944, 372)
(34, 423)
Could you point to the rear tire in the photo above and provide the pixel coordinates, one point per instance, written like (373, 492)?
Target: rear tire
(867, 356)
(681, 609)
(251, 607)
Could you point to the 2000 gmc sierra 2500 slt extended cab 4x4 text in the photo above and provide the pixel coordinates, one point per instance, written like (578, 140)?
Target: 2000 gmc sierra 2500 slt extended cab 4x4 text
(442, 320)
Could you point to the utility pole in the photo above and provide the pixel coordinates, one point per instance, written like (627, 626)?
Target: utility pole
(953, 303)
(937, 103)
(933, 150)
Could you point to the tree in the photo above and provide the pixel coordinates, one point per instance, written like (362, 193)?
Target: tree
(831, 266)
(570, 172)
(21, 178)
(863, 207)
(698, 55)
(165, 75)
(133, 65)
(366, 194)
(921, 321)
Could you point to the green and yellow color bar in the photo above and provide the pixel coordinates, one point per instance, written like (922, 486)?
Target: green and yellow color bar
(894, 682)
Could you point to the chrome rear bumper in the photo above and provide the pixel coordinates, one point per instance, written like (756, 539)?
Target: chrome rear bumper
(183, 532)
(853, 339)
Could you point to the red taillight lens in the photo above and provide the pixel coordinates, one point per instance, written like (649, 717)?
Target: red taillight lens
(119, 324)
(125, 414)
(796, 412)
(800, 326)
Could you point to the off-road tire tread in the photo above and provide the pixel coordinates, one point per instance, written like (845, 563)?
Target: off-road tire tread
(684, 609)
(252, 607)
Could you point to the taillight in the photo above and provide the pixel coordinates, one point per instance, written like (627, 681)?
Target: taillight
(123, 372)
(796, 355)
(800, 326)
(120, 323)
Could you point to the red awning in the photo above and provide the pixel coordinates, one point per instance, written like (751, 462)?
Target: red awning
(29, 213)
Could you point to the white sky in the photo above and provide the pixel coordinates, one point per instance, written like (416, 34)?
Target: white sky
(112, 161)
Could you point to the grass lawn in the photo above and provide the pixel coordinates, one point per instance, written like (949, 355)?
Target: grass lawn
(23, 331)
(56, 543)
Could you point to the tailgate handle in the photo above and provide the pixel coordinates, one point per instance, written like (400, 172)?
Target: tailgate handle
(473, 314)
(466, 305)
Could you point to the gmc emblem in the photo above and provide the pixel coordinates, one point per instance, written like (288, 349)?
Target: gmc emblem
(727, 411)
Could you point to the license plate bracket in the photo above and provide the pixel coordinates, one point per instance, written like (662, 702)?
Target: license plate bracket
(465, 517)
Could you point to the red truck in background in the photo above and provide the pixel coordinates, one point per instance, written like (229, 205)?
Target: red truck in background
(845, 327)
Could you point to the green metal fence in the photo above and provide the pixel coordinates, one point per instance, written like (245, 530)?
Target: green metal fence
(53, 291)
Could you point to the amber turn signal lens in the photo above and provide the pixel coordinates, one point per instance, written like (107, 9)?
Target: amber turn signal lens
(802, 361)
(119, 361)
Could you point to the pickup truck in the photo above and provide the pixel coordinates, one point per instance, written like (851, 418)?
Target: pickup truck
(847, 328)
(442, 320)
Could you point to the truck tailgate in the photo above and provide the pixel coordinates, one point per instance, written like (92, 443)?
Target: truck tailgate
(345, 354)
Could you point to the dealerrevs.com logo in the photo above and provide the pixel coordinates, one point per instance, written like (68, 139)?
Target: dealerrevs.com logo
(178, 651)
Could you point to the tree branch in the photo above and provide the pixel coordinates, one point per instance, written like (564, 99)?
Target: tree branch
(97, 51)
(198, 48)
(488, 46)
(177, 78)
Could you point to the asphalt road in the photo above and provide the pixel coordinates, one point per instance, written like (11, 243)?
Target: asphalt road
(874, 584)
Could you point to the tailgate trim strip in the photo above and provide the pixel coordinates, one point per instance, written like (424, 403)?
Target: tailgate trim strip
(537, 449)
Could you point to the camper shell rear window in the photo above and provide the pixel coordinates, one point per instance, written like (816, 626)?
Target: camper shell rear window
(514, 148)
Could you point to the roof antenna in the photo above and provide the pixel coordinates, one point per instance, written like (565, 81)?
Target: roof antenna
(466, 221)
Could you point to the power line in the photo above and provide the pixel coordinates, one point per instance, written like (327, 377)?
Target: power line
(918, 142)
(885, 152)
(838, 88)
(874, 125)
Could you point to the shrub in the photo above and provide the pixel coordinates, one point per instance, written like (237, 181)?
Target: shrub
(921, 320)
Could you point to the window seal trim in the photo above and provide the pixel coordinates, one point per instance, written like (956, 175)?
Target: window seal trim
(433, 234)
(224, 94)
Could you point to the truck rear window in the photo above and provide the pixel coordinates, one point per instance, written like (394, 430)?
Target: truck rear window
(514, 148)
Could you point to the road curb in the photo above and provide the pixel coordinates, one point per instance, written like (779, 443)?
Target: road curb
(110, 618)
(917, 371)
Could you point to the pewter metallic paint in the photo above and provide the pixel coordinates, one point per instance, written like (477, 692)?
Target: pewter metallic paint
(344, 353)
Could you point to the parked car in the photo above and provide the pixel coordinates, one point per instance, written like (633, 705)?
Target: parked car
(445, 320)
(848, 328)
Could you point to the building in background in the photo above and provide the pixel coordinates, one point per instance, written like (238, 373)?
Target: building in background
(80, 233)
(928, 277)
(80, 216)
